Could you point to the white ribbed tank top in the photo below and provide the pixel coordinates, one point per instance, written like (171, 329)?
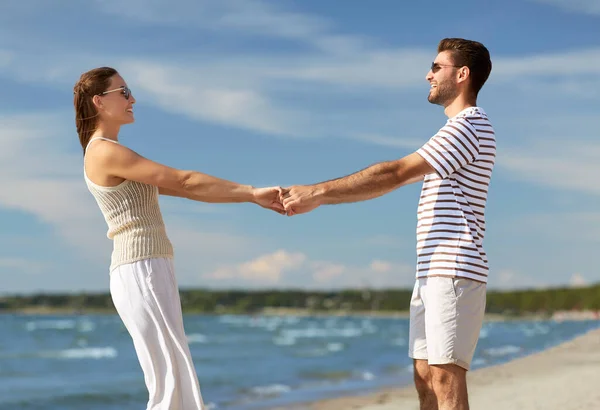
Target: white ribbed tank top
(135, 224)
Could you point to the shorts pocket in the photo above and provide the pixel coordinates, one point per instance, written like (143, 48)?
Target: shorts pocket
(454, 285)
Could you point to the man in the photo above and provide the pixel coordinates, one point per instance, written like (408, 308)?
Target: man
(449, 296)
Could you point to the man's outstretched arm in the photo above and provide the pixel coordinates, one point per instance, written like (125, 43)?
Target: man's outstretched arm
(371, 182)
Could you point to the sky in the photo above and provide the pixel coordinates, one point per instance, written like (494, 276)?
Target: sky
(297, 92)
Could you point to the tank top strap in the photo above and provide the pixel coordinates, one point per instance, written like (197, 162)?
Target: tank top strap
(99, 138)
(86, 148)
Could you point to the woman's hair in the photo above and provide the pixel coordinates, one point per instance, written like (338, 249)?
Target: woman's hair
(90, 83)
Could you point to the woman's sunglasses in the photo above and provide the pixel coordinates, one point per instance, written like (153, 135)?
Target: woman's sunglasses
(124, 90)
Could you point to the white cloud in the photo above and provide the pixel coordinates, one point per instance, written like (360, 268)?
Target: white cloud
(5, 57)
(580, 63)
(575, 228)
(510, 279)
(10, 265)
(301, 93)
(582, 6)
(264, 270)
(284, 269)
(206, 96)
(381, 266)
(573, 166)
(388, 241)
(39, 177)
(387, 141)
(326, 272)
(248, 17)
(577, 281)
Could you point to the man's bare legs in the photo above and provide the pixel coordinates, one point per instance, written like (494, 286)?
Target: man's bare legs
(450, 386)
(424, 385)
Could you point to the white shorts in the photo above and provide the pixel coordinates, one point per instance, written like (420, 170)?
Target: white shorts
(446, 315)
(146, 296)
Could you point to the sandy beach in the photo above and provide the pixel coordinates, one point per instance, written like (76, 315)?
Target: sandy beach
(564, 377)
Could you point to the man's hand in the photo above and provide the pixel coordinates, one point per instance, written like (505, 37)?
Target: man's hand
(299, 199)
(269, 198)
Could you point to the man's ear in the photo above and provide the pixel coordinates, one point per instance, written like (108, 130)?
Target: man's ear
(463, 74)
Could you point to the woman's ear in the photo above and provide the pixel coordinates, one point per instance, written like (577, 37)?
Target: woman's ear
(97, 102)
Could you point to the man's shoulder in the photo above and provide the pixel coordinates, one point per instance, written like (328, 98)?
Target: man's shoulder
(470, 115)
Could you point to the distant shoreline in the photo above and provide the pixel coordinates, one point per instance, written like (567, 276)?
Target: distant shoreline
(291, 312)
(560, 303)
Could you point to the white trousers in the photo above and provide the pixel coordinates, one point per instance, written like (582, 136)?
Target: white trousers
(146, 296)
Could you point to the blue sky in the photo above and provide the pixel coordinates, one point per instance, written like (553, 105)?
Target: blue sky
(296, 92)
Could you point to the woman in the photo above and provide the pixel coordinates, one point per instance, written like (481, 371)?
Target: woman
(126, 186)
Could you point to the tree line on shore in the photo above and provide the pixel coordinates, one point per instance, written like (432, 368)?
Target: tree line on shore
(517, 302)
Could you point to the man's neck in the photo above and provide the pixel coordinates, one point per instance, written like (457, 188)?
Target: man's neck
(460, 103)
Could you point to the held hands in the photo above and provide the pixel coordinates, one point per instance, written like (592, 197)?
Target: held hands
(299, 199)
(269, 198)
(294, 200)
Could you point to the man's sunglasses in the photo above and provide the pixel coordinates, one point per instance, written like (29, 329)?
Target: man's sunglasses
(435, 67)
(124, 90)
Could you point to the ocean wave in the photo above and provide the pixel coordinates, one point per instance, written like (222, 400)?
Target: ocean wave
(399, 342)
(330, 375)
(75, 400)
(535, 329)
(271, 390)
(51, 324)
(197, 338)
(284, 341)
(314, 333)
(270, 323)
(335, 347)
(367, 376)
(502, 350)
(84, 326)
(82, 353)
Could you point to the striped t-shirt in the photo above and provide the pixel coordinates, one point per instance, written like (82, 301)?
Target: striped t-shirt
(451, 213)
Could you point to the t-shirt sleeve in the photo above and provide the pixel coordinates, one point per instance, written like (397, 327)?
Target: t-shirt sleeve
(453, 147)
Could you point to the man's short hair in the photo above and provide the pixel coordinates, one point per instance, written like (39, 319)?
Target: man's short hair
(471, 54)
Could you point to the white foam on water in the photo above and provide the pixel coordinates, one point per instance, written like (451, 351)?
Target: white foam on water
(502, 350)
(197, 338)
(86, 326)
(82, 342)
(270, 323)
(331, 323)
(284, 341)
(83, 353)
(369, 327)
(335, 347)
(271, 390)
(483, 333)
(399, 342)
(535, 329)
(315, 333)
(367, 376)
(51, 324)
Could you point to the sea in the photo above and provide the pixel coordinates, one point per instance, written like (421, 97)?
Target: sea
(246, 362)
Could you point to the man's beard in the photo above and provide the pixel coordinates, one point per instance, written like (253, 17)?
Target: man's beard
(443, 94)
